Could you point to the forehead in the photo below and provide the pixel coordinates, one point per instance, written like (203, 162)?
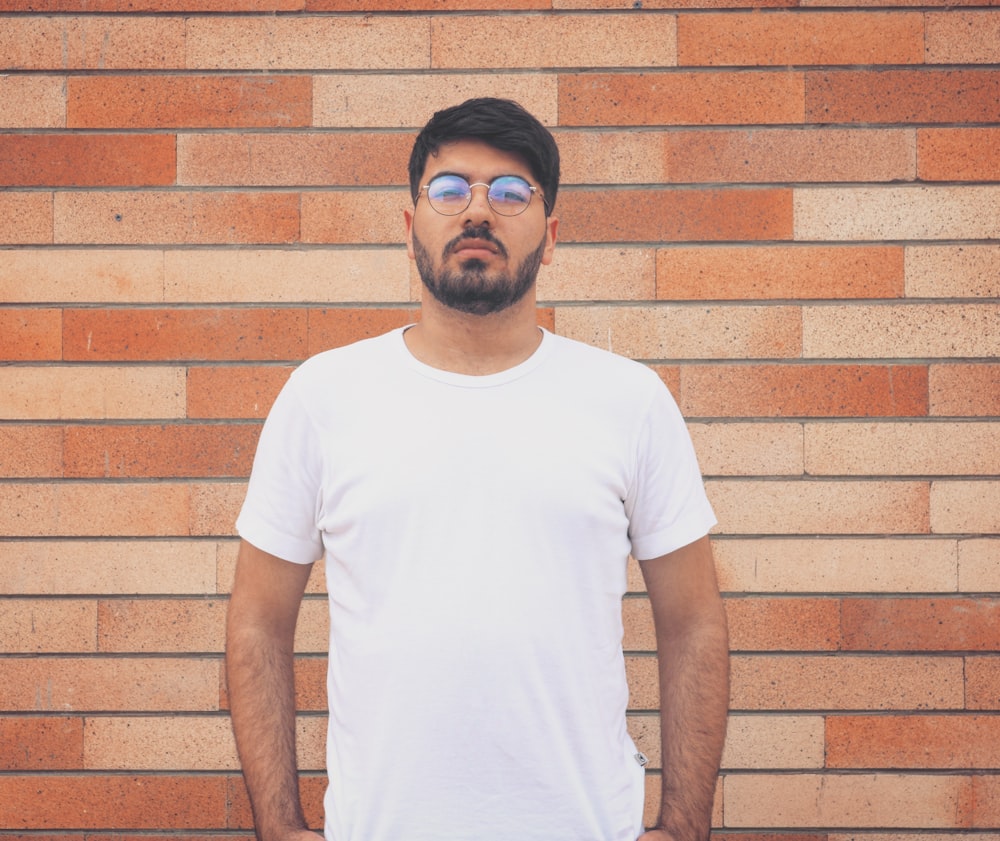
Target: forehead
(476, 160)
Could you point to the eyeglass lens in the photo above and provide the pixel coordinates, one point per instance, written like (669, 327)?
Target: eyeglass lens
(508, 195)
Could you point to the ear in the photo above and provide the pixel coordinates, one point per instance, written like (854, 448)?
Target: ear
(551, 227)
(408, 219)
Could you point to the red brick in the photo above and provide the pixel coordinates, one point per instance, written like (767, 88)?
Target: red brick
(958, 154)
(330, 328)
(783, 624)
(671, 376)
(982, 683)
(965, 389)
(30, 335)
(374, 217)
(354, 159)
(675, 215)
(913, 741)
(133, 801)
(919, 624)
(231, 392)
(202, 334)
(188, 101)
(803, 390)
(27, 218)
(159, 451)
(37, 743)
(30, 452)
(423, 5)
(120, 160)
(137, 217)
(150, 5)
(679, 98)
(902, 96)
(779, 271)
(782, 155)
(800, 38)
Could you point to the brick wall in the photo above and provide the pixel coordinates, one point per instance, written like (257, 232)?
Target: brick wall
(792, 213)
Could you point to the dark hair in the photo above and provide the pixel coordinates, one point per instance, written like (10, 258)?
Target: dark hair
(501, 123)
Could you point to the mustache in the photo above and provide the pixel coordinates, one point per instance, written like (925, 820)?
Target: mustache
(481, 233)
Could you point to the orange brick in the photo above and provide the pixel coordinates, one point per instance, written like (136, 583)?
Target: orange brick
(783, 624)
(34, 275)
(982, 683)
(902, 96)
(87, 160)
(985, 811)
(634, 39)
(671, 376)
(964, 389)
(675, 215)
(969, 507)
(800, 38)
(679, 98)
(188, 101)
(27, 218)
(953, 271)
(41, 743)
(917, 624)
(198, 334)
(34, 626)
(142, 217)
(30, 335)
(958, 154)
(355, 159)
(151, 452)
(913, 741)
(421, 5)
(754, 506)
(150, 5)
(131, 801)
(330, 328)
(783, 155)
(228, 392)
(834, 390)
(374, 217)
(214, 508)
(825, 682)
(47, 684)
(92, 42)
(963, 37)
(30, 452)
(32, 102)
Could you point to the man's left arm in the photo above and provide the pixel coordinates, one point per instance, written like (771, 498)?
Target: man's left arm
(693, 652)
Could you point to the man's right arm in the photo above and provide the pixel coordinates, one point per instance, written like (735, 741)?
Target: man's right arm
(260, 634)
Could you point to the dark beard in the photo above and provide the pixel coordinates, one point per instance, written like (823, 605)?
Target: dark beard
(471, 290)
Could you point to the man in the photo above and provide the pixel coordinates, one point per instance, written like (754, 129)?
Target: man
(476, 485)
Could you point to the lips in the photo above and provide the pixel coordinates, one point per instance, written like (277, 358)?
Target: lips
(475, 245)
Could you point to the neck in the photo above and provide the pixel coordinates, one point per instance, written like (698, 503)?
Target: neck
(474, 344)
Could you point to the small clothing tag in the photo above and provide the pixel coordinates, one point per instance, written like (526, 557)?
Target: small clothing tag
(640, 757)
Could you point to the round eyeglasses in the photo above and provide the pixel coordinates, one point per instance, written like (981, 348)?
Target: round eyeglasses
(508, 195)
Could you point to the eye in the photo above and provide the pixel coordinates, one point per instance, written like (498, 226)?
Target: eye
(510, 190)
(448, 188)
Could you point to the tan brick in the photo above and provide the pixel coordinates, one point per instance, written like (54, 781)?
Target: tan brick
(580, 273)
(32, 102)
(959, 154)
(748, 449)
(953, 271)
(30, 451)
(685, 332)
(800, 38)
(845, 565)
(897, 213)
(280, 276)
(834, 800)
(92, 392)
(30, 334)
(308, 42)
(680, 98)
(779, 271)
(37, 626)
(106, 567)
(979, 565)
(92, 42)
(407, 101)
(901, 449)
(612, 157)
(348, 217)
(77, 275)
(45, 684)
(921, 624)
(900, 330)
(142, 217)
(859, 682)
(214, 508)
(774, 741)
(27, 218)
(783, 624)
(963, 37)
(965, 507)
(531, 41)
(41, 743)
(819, 507)
(982, 683)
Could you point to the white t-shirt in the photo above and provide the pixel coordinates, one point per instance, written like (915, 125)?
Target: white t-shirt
(476, 531)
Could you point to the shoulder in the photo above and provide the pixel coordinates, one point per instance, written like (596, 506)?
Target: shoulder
(358, 359)
(604, 368)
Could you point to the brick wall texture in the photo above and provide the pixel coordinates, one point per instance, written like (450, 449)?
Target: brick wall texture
(790, 209)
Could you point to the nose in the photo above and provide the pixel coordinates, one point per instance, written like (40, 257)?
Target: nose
(479, 211)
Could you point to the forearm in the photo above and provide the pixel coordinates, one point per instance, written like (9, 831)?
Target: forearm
(694, 700)
(261, 687)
